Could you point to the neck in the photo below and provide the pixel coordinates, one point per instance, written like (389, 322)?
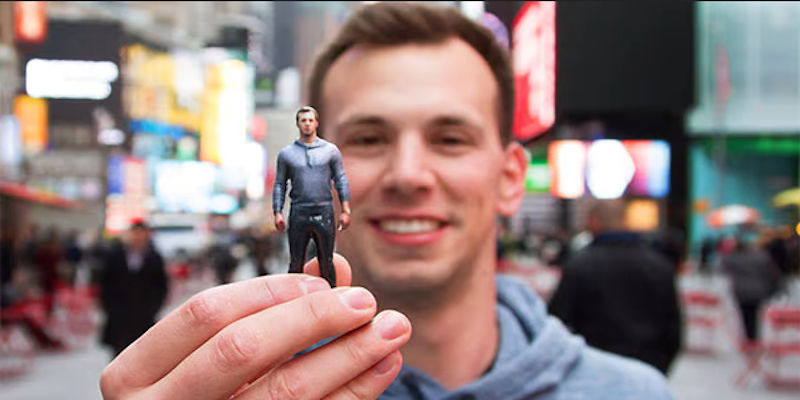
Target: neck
(308, 139)
(455, 340)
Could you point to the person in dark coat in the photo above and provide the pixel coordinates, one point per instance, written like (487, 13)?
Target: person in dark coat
(754, 278)
(133, 288)
(619, 293)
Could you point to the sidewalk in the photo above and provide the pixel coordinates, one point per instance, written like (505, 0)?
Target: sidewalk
(75, 374)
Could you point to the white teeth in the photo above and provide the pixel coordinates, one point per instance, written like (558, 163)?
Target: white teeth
(408, 225)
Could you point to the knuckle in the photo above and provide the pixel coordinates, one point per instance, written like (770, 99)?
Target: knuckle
(286, 384)
(317, 309)
(113, 382)
(353, 392)
(110, 384)
(233, 348)
(356, 352)
(201, 311)
(270, 294)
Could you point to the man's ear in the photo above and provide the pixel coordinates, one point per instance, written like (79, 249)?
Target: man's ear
(512, 180)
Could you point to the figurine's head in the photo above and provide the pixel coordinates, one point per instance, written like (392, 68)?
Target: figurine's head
(418, 99)
(307, 120)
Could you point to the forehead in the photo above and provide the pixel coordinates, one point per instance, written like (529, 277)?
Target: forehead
(412, 83)
(306, 115)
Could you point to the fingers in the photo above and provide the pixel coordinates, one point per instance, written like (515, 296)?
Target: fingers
(351, 365)
(370, 384)
(259, 342)
(344, 221)
(344, 274)
(186, 328)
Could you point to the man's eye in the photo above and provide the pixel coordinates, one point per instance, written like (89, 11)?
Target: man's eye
(450, 140)
(366, 140)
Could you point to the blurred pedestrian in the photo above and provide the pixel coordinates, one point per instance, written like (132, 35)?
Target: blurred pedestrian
(775, 243)
(73, 254)
(48, 256)
(619, 293)
(133, 287)
(707, 255)
(754, 277)
(221, 257)
(260, 248)
(8, 263)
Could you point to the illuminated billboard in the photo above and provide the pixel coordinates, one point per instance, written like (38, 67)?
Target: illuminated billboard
(609, 169)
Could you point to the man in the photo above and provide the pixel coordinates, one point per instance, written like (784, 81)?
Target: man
(310, 163)
(619, 294)
(419, 100)
(133, 287)
(754, 278)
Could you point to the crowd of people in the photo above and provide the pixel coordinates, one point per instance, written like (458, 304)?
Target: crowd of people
(116, 273)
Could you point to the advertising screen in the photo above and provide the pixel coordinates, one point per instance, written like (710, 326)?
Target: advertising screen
(609, 169)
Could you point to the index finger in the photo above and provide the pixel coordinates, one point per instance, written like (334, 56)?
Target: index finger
(186, 328)
(344, 275)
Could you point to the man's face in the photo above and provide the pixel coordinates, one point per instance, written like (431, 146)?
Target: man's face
(307, 123)
(139, 237)
(417, 126)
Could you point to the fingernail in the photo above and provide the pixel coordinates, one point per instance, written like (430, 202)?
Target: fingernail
(385, 365)
(357, 298)
(390, 325)
(311, 285)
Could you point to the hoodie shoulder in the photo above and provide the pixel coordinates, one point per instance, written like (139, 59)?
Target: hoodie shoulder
(609, 376)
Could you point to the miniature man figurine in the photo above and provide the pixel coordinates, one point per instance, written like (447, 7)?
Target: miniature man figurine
(311, 163)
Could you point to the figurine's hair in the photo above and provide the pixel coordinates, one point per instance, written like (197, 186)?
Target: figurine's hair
(394, 24)
(305, 109)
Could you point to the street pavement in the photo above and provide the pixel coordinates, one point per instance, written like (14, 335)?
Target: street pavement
(74, 374)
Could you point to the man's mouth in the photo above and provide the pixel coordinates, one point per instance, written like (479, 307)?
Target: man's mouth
(409, 226)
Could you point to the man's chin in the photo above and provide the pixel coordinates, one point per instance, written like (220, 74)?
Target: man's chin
(416, 280)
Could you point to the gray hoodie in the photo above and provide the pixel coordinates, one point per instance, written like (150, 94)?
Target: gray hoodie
(539, 359)
(310, 167)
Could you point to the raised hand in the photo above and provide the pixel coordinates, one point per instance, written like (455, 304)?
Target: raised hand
(238, 341)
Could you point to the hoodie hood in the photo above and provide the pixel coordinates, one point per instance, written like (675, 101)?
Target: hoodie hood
(318, 142)
(308, 147)
(534, 355)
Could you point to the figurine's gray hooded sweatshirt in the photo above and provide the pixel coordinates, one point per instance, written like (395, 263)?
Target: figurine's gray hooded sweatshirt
(310, 168)
(539, 359)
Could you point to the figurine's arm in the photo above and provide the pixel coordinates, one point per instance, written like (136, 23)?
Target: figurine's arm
(344, 218)
(342, 187)
(279, 193)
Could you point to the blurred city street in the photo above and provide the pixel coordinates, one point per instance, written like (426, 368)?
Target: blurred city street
(636, 164)
(74, 374)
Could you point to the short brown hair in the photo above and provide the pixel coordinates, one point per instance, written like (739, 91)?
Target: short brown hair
(392, 24)
(305, 109)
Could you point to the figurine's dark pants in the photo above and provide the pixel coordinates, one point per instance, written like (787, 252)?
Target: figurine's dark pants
(312, 222)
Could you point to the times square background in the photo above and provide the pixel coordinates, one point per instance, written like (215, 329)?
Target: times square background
(174, 113)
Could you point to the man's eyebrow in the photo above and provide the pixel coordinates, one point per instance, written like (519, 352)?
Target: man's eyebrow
(364, 120)
(452, 120)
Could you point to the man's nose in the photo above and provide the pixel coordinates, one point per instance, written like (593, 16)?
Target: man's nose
(409, 170)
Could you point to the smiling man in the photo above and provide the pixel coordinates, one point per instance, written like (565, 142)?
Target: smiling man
(419, 101)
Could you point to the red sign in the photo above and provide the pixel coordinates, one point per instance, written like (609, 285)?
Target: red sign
(534, 57)
(30, 21)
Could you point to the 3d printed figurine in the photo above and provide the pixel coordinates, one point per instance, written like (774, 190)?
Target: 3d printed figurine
(310, 163)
